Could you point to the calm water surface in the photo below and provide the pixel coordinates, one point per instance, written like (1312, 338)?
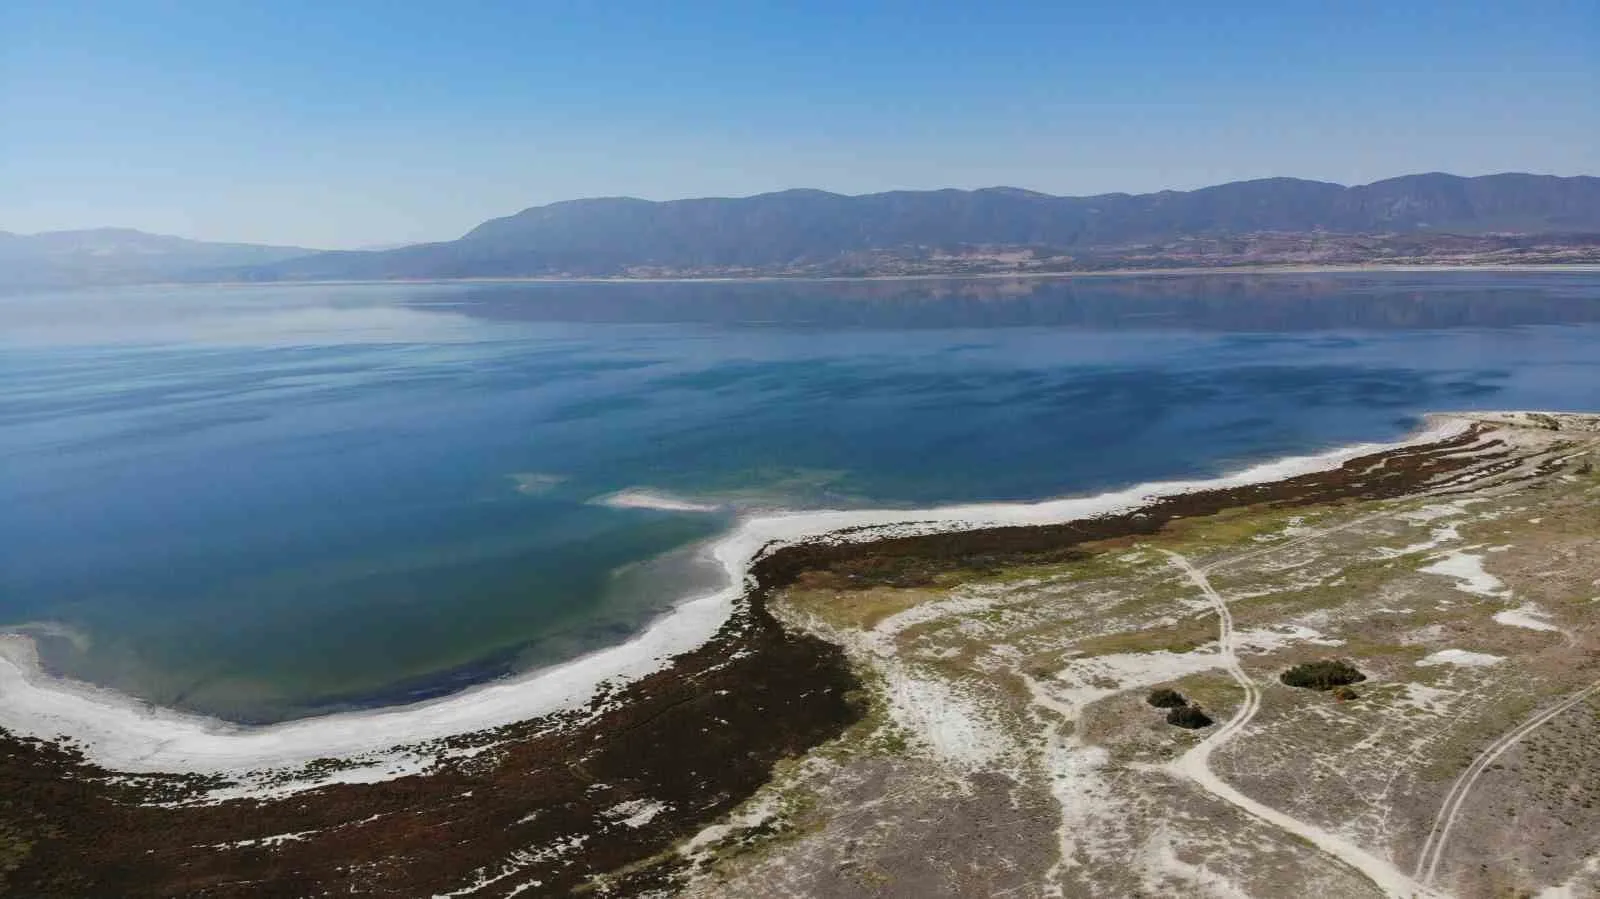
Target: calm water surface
(265, 502)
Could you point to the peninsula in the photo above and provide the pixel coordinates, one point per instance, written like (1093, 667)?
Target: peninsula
(1360, 673)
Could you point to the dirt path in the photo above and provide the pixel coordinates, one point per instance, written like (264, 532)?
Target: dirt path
(1195, 766)
(1433, 848)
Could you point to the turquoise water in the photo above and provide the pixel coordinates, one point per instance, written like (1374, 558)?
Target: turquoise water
(265, 502)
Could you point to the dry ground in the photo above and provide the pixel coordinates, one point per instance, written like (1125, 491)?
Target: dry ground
(1010, 750)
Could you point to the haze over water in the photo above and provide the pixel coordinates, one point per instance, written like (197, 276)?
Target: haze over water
(266, 502)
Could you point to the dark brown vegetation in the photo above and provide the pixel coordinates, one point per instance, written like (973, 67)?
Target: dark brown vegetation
(1166, 698)
(1325, 674)
(696, 738)
(915, 561)
(1189, 717)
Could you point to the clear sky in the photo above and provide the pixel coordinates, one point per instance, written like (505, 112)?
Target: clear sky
(351, 123)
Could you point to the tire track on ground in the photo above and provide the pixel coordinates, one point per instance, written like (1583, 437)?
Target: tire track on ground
(1195, 766)
(1450, 811)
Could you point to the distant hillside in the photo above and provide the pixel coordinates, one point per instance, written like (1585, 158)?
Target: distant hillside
(815, 232)
(121, 256)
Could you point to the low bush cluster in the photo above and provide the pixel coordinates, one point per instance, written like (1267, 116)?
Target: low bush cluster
(1179, 711)
(1166, 698)
(1322, 675)
(1189, 717)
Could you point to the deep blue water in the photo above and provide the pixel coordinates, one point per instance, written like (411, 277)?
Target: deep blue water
(263, 502)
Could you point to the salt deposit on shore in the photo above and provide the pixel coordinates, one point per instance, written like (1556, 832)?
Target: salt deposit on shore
(1528, 616)
(121, 733)
(641, 498)
(1462, 657)
(1467, 569)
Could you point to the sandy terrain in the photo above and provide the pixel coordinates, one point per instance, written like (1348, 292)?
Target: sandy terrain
(1010, 694)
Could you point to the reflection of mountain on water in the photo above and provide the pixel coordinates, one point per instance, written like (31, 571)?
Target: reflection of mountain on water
(1279, 302)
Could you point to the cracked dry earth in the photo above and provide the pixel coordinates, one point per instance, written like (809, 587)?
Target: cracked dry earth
(1009, 749)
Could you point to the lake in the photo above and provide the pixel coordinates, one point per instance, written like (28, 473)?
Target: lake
(264, 502)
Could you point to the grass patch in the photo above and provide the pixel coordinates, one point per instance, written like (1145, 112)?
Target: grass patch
(15, 847)
(1186, 636)
(1237, 528)
(1215, 692)
(858, 609)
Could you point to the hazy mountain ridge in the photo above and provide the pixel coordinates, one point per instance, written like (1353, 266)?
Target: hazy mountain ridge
(817, 232)
(122, 256)
(1428, 218)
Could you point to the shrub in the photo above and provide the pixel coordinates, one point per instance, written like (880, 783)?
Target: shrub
(1164, 698)
(1189, 717)
(1323, 675)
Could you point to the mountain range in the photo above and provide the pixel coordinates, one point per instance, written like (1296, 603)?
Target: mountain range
(1428, 217)
(123, 256)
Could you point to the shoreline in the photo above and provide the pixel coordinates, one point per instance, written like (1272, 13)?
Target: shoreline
(1265, 269)
(598, 797)
(118, 732)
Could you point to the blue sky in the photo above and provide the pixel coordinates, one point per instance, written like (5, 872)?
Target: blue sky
(355, 123)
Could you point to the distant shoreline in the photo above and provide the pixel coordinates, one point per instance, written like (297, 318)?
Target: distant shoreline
(1358, 268)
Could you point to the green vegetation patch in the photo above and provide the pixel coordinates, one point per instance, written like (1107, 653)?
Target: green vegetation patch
(860, 609)
(1323, 675)
(16, 845)
(1185, 637)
